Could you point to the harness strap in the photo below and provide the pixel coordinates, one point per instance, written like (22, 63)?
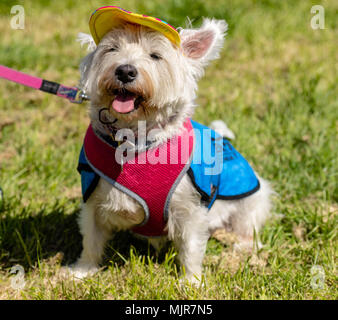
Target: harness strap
(73, 94)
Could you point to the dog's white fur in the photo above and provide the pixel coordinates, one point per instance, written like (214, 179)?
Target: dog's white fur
(169, 89)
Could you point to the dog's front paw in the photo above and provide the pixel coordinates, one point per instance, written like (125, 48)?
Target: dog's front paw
(192, 280)
(79, 270)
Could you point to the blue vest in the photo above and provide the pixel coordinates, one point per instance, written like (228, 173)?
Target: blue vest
(217, 169)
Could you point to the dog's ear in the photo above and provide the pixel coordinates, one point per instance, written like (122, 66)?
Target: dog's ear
(85, 66)
(87, 39)
(205, 43)
(86, 63)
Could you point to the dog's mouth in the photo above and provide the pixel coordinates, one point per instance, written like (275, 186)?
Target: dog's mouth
(125, 101)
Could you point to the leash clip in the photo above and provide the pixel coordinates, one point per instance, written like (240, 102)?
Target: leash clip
(73, 94)
(80, 97)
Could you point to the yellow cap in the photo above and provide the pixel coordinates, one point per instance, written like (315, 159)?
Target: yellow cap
(106, 18)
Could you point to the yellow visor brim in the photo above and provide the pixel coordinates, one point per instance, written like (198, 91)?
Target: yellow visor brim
(107, 18)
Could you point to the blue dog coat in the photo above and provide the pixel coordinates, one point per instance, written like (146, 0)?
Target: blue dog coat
(218, 170)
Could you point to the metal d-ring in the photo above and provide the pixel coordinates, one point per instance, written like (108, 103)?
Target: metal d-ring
(105, 122)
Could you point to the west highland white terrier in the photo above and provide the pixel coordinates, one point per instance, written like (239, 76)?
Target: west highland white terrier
(145, 165)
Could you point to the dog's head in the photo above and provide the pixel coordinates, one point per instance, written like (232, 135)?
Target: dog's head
(138, 74)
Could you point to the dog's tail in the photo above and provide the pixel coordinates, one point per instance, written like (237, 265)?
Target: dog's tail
(220, 127)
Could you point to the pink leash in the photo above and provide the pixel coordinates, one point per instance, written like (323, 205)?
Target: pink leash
(73, 94)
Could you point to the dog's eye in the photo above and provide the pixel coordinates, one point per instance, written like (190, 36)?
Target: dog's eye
(112, 49)
(155, 56)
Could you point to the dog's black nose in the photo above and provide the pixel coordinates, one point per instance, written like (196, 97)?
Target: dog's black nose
(126, 73)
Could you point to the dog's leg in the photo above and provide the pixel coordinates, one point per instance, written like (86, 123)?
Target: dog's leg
(244, 217)
(192, 247)
(251, 216)
(95, 235)
(190, 235)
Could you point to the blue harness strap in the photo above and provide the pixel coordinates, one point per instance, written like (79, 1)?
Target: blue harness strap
(89, 179)
(218, 170)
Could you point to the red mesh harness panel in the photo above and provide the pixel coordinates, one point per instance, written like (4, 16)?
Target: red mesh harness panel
(151, 184)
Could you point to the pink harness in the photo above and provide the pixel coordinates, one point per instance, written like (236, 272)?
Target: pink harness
(152, 185)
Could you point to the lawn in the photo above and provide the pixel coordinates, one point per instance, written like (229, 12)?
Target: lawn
(275, 86)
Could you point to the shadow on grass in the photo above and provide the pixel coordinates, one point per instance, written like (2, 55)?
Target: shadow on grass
(28, 237)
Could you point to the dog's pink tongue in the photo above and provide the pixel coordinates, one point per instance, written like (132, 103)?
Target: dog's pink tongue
(124, 103)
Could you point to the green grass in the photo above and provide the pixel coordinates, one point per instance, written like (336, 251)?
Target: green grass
(275, 85)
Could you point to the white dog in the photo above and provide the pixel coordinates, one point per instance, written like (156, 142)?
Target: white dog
(136, 72)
